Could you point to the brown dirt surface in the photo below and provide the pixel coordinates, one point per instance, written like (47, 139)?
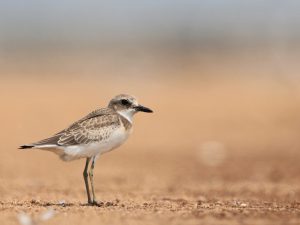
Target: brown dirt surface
(219, 153)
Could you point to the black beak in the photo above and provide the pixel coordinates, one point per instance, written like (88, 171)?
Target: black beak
(143, 109)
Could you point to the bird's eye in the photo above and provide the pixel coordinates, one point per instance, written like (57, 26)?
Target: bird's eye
(125, 102)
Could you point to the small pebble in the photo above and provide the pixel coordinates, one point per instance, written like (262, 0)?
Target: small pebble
(243, 205)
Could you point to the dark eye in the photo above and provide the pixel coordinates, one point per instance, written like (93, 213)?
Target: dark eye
(125, 102)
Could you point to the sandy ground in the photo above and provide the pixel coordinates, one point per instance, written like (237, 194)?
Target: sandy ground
(218, 153)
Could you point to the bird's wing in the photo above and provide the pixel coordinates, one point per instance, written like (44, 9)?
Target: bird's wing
(95, 127)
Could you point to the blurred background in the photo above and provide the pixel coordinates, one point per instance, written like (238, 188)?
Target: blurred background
(222, 77)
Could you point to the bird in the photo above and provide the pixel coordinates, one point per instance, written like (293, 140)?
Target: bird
(100, 131)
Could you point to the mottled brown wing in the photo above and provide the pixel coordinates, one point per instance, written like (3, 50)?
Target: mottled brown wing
(86, 130)
(94, 129)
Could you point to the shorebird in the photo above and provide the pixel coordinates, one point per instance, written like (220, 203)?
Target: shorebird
(99, 132)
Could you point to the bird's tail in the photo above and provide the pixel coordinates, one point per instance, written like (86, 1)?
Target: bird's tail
(26, 146)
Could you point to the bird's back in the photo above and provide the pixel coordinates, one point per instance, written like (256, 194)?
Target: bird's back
(97, 126)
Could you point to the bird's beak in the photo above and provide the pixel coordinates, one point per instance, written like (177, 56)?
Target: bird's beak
(143, 109)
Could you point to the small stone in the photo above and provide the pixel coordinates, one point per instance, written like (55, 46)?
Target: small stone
(107, 204)
(33, 201)
(243, 205)
(62, 202)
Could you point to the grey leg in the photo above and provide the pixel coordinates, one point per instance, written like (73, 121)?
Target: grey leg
(85, 176)
(92, 183)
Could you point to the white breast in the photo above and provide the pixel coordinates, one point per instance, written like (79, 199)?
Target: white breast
(117, 138)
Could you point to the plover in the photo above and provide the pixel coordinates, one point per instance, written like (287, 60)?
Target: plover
(99, 132)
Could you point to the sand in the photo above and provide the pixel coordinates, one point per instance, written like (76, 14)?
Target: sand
(213, 153)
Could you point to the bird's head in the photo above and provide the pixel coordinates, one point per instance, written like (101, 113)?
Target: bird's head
(127, 106)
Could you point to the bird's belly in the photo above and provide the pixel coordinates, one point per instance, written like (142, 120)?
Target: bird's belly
(97, 148)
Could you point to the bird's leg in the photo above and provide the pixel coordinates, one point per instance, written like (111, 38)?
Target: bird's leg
(85, 176)
(91, 173)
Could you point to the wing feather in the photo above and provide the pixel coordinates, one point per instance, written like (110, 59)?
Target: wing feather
(86, 130)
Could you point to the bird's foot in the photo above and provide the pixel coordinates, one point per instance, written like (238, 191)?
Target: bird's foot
(96, 203)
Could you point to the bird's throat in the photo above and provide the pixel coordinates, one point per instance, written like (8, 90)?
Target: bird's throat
(127, 114)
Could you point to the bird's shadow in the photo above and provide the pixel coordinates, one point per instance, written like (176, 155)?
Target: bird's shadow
(36, 203)
(49, 204)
